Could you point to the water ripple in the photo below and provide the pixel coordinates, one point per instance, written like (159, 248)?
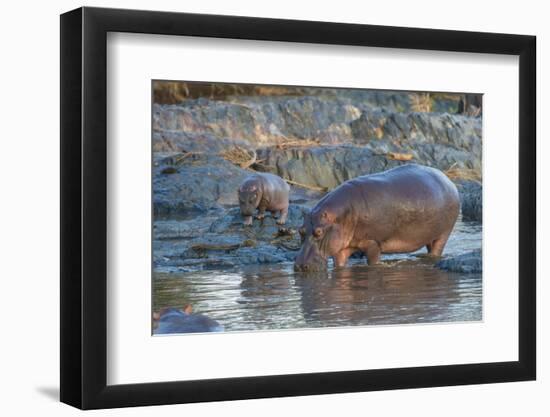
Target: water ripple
(404, 289)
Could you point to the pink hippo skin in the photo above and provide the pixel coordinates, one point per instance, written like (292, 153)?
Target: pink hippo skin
(396, 211)
(263, 191)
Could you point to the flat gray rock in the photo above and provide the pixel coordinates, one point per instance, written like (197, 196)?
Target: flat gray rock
(470, 262)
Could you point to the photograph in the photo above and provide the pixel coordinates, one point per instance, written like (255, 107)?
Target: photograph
(279, 207)
(260, 209)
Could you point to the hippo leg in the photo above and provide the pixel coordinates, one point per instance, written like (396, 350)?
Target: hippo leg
(436, 247)
(261, 213)
(341, 258)
(284, 214)
(372, 250)
(248, 220)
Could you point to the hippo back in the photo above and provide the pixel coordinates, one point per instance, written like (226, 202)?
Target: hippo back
(177, 321)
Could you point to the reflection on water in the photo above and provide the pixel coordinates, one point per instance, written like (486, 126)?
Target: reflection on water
(403, 289)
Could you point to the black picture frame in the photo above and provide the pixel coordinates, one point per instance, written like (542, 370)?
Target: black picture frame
(84, 207)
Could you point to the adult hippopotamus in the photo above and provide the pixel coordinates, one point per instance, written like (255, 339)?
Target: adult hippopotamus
(263, 191)
(173, 320)
(395, 211)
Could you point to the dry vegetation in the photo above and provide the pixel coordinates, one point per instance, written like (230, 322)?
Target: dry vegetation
(172, 92)
(396, 156)
(247, 159)
(456, 173)
(303, 143)
(237, 155)
(421, 102)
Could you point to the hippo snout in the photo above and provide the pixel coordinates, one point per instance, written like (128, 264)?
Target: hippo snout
(247, 210)
(309, 259)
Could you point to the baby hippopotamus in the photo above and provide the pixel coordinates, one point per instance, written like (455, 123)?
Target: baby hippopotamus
(263, 191)
(174, 320)
(396, 211)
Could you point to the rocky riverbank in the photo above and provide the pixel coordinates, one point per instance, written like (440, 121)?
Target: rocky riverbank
(314, 142)
(470, 262)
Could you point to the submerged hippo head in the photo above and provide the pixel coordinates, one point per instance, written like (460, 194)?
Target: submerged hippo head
(249, 198)
(321, 238)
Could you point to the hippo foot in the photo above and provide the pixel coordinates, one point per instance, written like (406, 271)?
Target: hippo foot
(260, 217)
(282, 219)
(248, 221)
(428, 257)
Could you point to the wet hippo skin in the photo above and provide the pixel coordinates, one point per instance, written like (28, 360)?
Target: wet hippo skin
(265, 192)
(395, 211)
(173, 320)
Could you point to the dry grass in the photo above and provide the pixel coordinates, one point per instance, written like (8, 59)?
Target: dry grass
(240, 156)
(297, 143)
(456, 173)
(179, 159)
(399, 156)
(421, 102)
(245, 158)
(173, 92)
(309, 187)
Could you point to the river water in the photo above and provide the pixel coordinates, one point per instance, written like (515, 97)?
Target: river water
(404, 289)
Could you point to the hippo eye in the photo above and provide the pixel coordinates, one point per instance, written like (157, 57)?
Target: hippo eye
(317, 232)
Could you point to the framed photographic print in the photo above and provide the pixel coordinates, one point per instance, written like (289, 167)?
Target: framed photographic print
(258, 207)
